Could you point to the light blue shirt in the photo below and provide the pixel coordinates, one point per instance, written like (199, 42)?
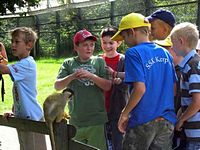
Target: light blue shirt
(23, 75)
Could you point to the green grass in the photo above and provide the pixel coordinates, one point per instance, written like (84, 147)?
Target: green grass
(47, 70)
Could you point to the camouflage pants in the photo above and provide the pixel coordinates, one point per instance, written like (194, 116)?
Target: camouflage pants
(154, 135)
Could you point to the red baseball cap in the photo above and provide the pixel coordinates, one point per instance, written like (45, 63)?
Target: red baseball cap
(82, 35)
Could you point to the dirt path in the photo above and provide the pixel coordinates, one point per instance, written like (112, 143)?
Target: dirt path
(9, 139)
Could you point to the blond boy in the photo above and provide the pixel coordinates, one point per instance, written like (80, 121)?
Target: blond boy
(23, 74)
(184, 38)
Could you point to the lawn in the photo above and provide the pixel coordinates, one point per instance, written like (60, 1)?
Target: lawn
(47, 70)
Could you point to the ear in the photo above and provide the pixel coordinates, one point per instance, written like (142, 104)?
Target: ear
(75, 47)
(181, 40)
(29, 45)
(119, 43)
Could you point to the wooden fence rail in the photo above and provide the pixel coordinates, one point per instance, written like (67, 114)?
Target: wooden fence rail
(63, 132)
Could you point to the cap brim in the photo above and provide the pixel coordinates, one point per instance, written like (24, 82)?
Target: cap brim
(91, 37)
(117, 37)
(150, 18)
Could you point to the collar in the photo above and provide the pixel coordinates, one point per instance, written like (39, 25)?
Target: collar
(187, 58)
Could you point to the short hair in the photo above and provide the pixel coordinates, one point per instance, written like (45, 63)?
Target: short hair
(143, 30)
(29, 34)
(162, 23)
(109, 31)
(188, 31)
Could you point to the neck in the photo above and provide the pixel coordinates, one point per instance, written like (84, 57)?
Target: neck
(23, 56)
(111, 54)
(143, 39)
(83, 60)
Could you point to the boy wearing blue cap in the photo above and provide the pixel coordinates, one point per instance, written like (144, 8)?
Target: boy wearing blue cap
(162, 22)
(148, 118)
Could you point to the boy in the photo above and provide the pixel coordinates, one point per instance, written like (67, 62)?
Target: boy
(162, 22)
(179, 139)
(116, 97)
(23, 75)
(85, 75)
(149, 115)
(184, 38)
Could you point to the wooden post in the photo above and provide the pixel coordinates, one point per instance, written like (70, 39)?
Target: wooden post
(198, 15)
(112, 12)
(63, 132)
(58, 50)
(37, 44)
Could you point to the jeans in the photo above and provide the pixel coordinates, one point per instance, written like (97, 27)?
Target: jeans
(193, 145)
(153, 135)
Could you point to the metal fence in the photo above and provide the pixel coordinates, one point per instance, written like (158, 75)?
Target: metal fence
(56, 28)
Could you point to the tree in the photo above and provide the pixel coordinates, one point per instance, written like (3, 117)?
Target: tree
(12, 4)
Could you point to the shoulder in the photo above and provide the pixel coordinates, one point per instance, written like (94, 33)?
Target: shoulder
(195, 61)
(97, 58)
(29, 61)
(68, 61)
(121, 56)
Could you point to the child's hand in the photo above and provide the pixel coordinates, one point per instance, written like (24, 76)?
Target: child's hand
(117, 81)
(81, 73)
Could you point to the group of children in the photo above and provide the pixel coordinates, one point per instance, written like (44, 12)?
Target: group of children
(102, 110)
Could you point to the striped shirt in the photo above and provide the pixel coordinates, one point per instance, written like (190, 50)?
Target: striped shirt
(190, 83)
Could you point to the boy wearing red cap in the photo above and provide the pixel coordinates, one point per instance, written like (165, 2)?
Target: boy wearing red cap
(86, 76)
(148, 118)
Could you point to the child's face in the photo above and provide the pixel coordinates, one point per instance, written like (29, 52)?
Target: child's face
(19, 47)
(130, 38)
(85, 49)
(108, 45)
(158, 30)
(178, 46)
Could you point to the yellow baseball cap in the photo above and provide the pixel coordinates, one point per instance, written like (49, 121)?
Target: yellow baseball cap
(132, 20)
(166, 42)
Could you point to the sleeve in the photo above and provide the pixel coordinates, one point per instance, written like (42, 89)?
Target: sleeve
(19, 71)
(64, 70)
(134, 71)
(194, 78)
(102, 72)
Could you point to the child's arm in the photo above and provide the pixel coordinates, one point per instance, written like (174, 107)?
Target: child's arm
(135, 97)
(3, 55)
(192, 109)
(4, 69)
(63, 82)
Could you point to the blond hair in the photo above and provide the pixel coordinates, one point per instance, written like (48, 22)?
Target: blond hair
(29, 34)
(188, 31)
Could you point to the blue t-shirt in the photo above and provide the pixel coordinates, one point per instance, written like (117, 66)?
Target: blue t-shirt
(152, 65)
(23, 75)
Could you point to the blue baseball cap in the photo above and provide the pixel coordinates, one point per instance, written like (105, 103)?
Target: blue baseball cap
(164, 15)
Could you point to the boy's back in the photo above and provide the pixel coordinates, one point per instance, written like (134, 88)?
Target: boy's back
(154, 67)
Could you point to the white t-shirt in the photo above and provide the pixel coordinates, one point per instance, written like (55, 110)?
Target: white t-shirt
(23, 75)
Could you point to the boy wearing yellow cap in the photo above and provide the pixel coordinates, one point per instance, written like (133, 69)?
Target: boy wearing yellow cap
(149, 117)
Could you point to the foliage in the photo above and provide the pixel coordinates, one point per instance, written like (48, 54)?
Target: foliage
(11, 5)
(47, 70)
(56, 29)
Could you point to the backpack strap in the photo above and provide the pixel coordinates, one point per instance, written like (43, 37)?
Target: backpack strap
(2, 89)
